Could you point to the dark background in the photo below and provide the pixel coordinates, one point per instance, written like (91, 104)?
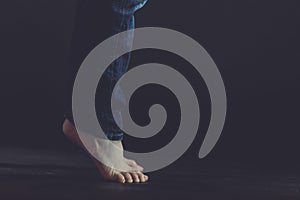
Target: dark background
(255, 44)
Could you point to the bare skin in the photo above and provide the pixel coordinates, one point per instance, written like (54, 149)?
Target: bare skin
(131, 172)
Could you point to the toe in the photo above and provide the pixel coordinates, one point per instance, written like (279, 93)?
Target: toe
(128, 177)
(120, 178)
(142, 177)
(146, 177)
(135, 177)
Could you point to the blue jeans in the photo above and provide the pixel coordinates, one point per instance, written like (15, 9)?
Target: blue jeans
(96, 20)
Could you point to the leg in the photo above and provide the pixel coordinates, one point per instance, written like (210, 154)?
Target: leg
(90, 30)
(123, 20)
(85, 38)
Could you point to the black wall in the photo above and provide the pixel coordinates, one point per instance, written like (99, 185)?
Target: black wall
(255, 44)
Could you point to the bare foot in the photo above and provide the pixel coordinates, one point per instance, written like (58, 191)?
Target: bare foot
(120, 169)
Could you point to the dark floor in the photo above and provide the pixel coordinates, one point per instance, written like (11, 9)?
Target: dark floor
(50, 175)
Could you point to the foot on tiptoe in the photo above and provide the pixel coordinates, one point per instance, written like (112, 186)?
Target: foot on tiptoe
(120, 169)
